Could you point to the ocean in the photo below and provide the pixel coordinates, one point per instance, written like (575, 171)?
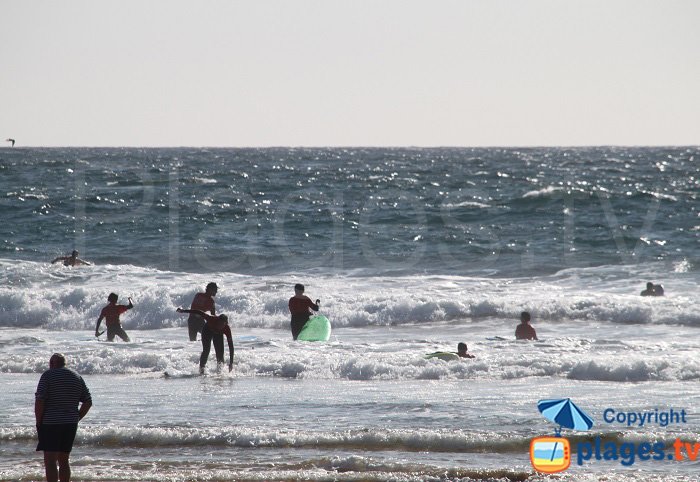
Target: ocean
(410, 250)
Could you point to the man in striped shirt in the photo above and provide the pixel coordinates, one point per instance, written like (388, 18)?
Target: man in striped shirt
(58, 394)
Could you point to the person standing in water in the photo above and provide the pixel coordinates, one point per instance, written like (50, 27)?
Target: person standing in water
(202, 302)
(111, 314)
(213, 331)
(525, 331)
(71, 260)
(300, 307)
(57, 414)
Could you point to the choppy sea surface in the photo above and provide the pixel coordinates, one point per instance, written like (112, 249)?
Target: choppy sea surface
(410, 252)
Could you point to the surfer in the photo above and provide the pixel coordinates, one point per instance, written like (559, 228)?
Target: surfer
(213, 331)
(111, 314)
(202, 302)
(462, 351)
(649, 291)
(299, 306)
(525, 331)
(71, 260)
(653, 290)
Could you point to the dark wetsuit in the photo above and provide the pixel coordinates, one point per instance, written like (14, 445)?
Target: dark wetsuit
(299, 308)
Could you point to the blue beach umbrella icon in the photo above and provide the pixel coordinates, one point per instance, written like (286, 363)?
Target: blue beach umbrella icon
(565, 413)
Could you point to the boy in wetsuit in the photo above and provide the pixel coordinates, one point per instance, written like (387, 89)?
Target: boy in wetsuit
(213, 331)
(111, 314)
(299, 306)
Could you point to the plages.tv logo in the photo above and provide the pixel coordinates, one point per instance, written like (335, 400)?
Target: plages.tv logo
(553, 454)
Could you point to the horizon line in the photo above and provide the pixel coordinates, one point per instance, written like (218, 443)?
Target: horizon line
(282, 146)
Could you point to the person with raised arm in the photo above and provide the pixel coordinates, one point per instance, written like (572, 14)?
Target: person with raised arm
(110, 314)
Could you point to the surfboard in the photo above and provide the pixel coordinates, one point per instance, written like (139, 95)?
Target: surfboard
(443, 355)
(318, 328)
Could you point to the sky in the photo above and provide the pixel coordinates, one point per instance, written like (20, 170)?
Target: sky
(349, 73)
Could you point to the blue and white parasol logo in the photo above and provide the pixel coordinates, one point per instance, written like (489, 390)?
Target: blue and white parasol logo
(564, 412)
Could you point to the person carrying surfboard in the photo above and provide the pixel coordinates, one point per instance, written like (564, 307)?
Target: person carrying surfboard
(213, 331)
(300, 307)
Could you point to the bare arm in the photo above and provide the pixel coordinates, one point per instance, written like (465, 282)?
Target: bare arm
(60, 258)
(84, 409)
(230, 352)
(79, 261)
(196, 312)
(230, 349)
(97, 326)
(38, 411)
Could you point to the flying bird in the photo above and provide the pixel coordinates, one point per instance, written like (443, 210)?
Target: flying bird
(11, 140)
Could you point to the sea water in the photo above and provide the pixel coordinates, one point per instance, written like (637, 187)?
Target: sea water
(410, 251)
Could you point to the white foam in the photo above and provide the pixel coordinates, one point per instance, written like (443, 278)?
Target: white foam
(37, 295)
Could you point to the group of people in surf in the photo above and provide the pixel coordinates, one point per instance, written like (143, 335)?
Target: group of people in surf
(211, 326)
(214, 327)
(202, 317)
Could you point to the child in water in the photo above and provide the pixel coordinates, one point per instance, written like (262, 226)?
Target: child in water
(462, 351)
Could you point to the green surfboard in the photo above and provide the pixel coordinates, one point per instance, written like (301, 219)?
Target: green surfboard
(443, 355)
(318, 328)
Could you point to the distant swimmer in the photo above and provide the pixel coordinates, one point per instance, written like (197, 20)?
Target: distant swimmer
(203, 302)
(71, 260)
(525, 331)
(462, 351)
(111, 314)
(11, 140)
(300, 306)
(213, 331)
(653, 290)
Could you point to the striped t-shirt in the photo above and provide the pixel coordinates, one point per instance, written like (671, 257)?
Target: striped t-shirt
(61, 389)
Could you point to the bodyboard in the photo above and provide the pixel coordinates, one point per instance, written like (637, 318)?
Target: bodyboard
(443, 355)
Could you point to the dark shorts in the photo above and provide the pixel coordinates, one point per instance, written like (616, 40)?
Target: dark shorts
(298, 322)
(116, 330)
(57, 438)
(195, 324)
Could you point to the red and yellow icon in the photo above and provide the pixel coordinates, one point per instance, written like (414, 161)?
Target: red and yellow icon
(550, 454)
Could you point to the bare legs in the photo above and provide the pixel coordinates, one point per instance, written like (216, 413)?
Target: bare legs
(57, 466)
